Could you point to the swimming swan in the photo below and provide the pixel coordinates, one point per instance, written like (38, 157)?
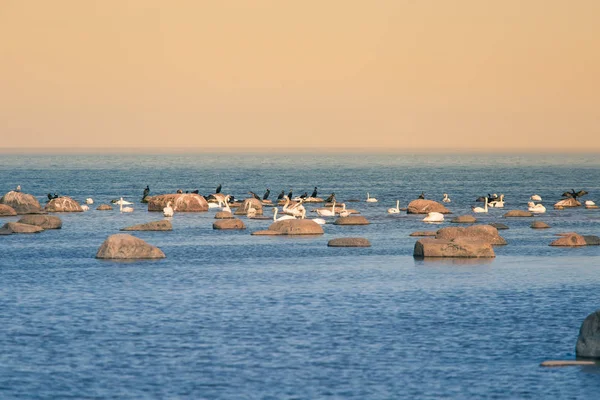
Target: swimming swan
(89, 200)
(282, 218)
(481, 210)
(371, 199)
(498, 203)
(84, 207)
(536, 197)
(536, 208)
(124, 209)
(446, 199)
(395, 210)
(326, 212)
(168, 210)
(434, 217)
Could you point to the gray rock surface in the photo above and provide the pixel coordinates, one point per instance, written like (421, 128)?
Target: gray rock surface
(461, 247)
(588, 342)
(43, 221)
(234, 223)
(349, 242)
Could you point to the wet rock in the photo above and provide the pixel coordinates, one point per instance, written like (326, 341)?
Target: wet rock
(7, 211)
(349, 242)
(571, 240)
(539, 225)
(420, 206)
(43, 221)
(17, 227)
(63, 204)
(588, 342)
(180, 202)
(568, 203)
(229, 224)
(296, 227)
(461, 247)
(498, 225)
(223, 215)
(243, 208)
(464, 219)
(517, 213)
(22, 203)
(162, 225)
(104, 207)
(484, 233)
(424, 233)
(123, 246)
(352, 220)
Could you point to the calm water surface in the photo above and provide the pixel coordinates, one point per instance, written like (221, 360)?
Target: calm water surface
(231, 316)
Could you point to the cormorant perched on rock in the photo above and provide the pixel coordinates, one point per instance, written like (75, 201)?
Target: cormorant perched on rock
(55, 196)
(218, 189)
(281, 195)
(290, 194)
(573, 194)
(422, 196)
(267, 193)
(305, 195)
(49, 197)
(146, 192)
(314, 193)
(254, 195)
(195, 191)
(179, 191)
(331, 198)
(18, 189)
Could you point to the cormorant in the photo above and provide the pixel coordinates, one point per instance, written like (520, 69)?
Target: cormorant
(331, 198)
(254, 195)
(146, 192)
(195, 191)
(281, 195)
(422, 196)
(218, 189)
(267, 193)
(314, 193)
(18, 188)
(305, 195)
(49, 196)
(290, 194)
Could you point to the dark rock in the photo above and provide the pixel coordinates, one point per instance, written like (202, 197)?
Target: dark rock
(539, 225)
(498, 225)
(588, 342)
(591, 240)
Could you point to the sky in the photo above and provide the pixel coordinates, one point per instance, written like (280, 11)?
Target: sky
(397, 75)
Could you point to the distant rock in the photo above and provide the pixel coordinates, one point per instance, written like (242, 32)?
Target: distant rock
(421, 206)
(223, 215)
(484, 233)
(592, 207)
(349, 242)
(17, 227)
(7, 211)
(352, 220)
(498, 225)
(296, 227)
(461, 247)
(43, 221)
(63, 204)
(123, 246)
(162, 225)
(571, 240)
(588, 342)
(591, 240)
(424, 233)
(104, 207)
(180, 202)
(517, 213)
(464, 219)
(570, 202)
(265, 232)
(539, 225)
(229, 224)
(243, 208)
(22, 203)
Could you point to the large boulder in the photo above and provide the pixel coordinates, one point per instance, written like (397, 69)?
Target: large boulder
(349, 242)
(484, 233)
(464, 219)
(570, 202)
(570, 240)
(162, 225)
(43, 221)
(352, 220)
(180, 202)
(461, 247)
(104, 207)
(296, 227)
(243, 208)
(123, 246)
(234, 223)
(517, 213)
(17, 227)
(22, 203)
(7, 211)
(421, 206)
(588, 342)
(63, 204)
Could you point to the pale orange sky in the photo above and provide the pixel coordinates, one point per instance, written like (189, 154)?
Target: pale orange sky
(397, 74)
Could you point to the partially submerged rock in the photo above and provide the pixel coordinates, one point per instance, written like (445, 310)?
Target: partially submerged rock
(421, 206)
(123, 246)
(266, 232)
(517, 213)
(7, 211)
(229, 224)
(570, 202)
(461, 247)
(22, 203)
(352, 220)
(104, 207)
(63, 204)
(498, 225)
(223, 215)
(250, 203)
(539, 225)
(296, 227)
(464, 219)
(588, 342)
(17, 227)
(162, 225)
(349, 242)
(484, 233)
(180, 202)
(424, 233)
(591, 240)
(43, 221)
(571, 240)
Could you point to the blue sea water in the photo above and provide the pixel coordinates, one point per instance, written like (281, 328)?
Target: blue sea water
(228, 315)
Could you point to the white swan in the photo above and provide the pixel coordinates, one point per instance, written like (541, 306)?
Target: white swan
(589, 203)
(446, 199)
(168, 210)
(214, 205)
(536, 197)
(89, 200)
(434, 217)
(84, 207)
(319, 221)
(395, 210)
(343, 212)
(480, 209)
(124, 209)
(498, 203)
(250, 211)
(536, 208)
(326, 212)
(226, 207)
(122, 202)
(282, 218)
(371, 199)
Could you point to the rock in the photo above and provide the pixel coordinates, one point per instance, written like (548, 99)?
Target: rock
(349, 242)
(22, 203)
(7, 211)
(265, 233)
(484, 233)
(296, 227)
(588, 342)
(63, 204)
(539, 225)
(461, 247)
(591, 207)
(572, 239)
(570, 202)
(43, 221)
(420, 206)
(565, 363)
(17, 227)
(352, 220)
(243, 208)
(180, 202)
(123, 246)
(424, 233)
(559, 208)
(517, 213)
(498, 225)
(223, 215)
(591, 240)
(229, 224)
(104, 207)
(162, 225)
(464, 219)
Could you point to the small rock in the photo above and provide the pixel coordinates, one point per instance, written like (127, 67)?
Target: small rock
(296, 227)
(588, 342)
(539, 225)
(229, 224)
(352, 220)
(123, 246)
(573, 239)
(349, 242)
(518, 213)
(104, 207)
(570, 202)
(162, 225)
(591, 207)
(223, 215)
(559, 208)
(464, 219)
(498, 225)
(420, 206)
(17, 227)
(424, 233)
(461, 247)
(265, 233)
(43, 221)
(565, 363)
(7, 211)
(591, 240)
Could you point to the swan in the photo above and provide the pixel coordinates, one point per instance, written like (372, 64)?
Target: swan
(319, 221)
(446, 199)
(498, 203)
(326, 212)
(394, 210)
(122, 202)
(434, 217)
(344, 212)
(282, 218)
(18, 189)
(226, 207)
(168, 210)
(480, 209)
(371, 199)
(84, 207)
(589, 203)
(250, 211)
(536, 197)
(89, 200)
(124, 209)
(536, 208)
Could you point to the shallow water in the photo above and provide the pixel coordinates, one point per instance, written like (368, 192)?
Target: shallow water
(232, 316)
